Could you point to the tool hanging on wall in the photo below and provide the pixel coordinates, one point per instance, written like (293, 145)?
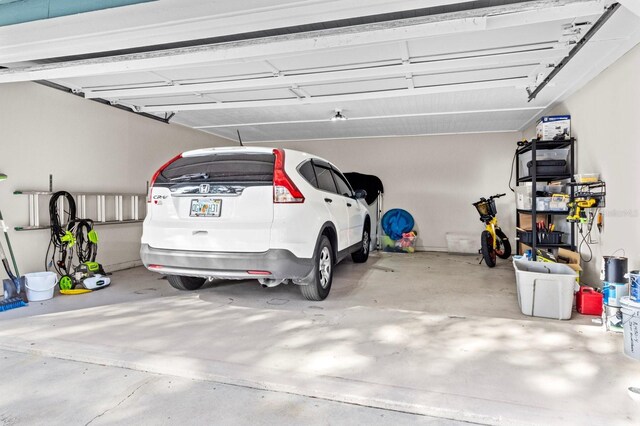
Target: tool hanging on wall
(600, 222)
(577, 210)
(14, 295)
(584, 210)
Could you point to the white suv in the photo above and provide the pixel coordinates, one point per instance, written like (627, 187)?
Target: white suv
(270, 214)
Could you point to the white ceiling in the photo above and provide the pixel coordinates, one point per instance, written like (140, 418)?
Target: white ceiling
(455, 71)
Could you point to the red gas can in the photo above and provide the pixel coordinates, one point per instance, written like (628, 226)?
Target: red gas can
(588, 301)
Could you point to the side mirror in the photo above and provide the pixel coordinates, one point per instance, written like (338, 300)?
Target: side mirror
(361, 194)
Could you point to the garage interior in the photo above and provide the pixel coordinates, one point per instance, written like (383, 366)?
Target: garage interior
(434, 96)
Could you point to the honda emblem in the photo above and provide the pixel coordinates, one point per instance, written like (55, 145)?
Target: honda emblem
(204, 188)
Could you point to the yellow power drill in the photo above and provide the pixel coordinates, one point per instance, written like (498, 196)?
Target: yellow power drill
(577, 212)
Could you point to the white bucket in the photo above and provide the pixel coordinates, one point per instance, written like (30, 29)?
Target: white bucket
(631, 327)
(40, 285)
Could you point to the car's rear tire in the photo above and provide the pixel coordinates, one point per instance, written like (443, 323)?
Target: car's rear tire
(323, 263)
(362, 255)
(185, 283)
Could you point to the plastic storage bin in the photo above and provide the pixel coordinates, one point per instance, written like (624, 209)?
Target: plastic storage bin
(407, 244)
(552, 204)
(554, 237)
(523, 197)
(542, 203)
(543, 155)
(587, 177)
(545, 289)
(548, 167)
(462, 243)
(554, 188)
(558, 203)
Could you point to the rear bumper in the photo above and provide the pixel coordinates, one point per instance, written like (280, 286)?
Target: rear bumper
(280, 263)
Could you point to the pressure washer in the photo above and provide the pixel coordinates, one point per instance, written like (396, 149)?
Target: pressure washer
(73, 238)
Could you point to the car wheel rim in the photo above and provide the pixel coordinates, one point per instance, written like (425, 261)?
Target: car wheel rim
(324, 267)
(365, 242)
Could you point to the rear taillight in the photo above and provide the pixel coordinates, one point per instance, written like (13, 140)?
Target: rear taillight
(284, 190)
(157, 173)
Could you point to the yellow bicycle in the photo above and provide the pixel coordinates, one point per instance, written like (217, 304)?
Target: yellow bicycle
(493, 241)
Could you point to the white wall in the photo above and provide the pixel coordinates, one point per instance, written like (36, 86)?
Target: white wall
(435, 178)
(86, 146)
(605, 119)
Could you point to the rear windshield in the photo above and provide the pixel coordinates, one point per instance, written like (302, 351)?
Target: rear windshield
(220, 168)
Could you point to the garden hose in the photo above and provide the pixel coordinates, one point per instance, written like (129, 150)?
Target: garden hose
(86, 240)
(62, 239)
(69, 233)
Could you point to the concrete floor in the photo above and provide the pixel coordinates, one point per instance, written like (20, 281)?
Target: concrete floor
(136, 397)
(427, 334)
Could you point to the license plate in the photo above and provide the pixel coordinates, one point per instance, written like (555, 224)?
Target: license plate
(206, 207)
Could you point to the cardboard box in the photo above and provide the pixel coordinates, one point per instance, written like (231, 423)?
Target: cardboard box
(554, 128)
(564, 256)
(526, 222)
(571, 258)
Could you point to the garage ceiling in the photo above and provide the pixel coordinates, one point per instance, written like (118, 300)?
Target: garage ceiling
(278, 70)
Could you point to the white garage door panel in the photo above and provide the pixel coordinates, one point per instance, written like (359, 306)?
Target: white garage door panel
(118, 80)
(483, 122)
(254, 95)
(356, 87)
(218, 71)
(519, 38)
(339, 57)
(164, 100)
(473, 75)
(500, 98)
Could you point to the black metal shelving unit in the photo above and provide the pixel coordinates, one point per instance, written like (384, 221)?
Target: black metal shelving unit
(534, 146)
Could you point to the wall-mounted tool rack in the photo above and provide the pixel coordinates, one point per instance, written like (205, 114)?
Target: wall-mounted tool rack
(109, 208)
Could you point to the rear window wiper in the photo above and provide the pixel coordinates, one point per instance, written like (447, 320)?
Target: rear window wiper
(191, 176)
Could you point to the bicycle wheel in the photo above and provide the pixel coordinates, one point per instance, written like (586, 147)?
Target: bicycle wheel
(488, 253)
(503, 246)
